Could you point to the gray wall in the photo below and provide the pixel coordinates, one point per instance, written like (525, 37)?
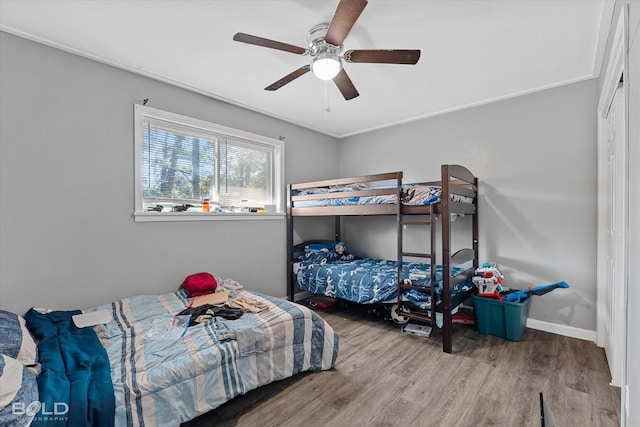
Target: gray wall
(535, 157)
(68, 239)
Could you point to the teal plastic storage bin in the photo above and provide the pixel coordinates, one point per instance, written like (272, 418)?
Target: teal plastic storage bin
(501, 318)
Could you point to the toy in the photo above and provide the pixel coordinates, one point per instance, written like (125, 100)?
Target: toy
(396, 316)
(327, 252)
(416, 329)
(340, 253)
(340, 248)
(519, 296)
(488, 280)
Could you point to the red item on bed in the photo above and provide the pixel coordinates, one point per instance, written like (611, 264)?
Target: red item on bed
(199, 284)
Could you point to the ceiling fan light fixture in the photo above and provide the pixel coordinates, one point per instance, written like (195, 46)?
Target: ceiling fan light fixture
(325, 44)
(326, 66)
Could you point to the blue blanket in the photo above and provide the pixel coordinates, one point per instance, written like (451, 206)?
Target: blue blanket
(371, 281)
(75, 382)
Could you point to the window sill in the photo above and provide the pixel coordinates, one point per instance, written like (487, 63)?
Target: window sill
(202, 216)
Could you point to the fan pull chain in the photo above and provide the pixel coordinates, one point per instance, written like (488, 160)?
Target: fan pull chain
(327, 107)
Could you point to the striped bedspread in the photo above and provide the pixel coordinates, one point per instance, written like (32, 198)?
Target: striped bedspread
(164, 374)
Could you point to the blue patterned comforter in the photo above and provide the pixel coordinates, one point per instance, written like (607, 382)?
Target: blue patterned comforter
(370, 281)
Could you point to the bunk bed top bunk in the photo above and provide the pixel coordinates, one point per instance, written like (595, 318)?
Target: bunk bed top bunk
(378, 194)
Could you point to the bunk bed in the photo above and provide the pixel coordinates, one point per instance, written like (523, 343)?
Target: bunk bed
(404, 283)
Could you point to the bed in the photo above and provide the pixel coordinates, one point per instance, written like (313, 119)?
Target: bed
(372, 281)
(432, 204)
(147, 366)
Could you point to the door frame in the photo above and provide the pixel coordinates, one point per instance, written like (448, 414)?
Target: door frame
(616, 66)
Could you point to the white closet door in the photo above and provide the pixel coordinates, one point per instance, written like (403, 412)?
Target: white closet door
(615, 212)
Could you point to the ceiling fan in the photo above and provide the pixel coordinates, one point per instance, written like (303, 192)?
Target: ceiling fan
(325, 45)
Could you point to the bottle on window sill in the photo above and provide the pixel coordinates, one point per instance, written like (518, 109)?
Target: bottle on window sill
(205, 205)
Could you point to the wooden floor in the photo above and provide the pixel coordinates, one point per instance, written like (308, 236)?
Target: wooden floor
(386, 378)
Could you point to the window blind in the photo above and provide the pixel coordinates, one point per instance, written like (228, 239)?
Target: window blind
(183, 164)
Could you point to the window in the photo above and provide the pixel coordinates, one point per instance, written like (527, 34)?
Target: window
(182, 161)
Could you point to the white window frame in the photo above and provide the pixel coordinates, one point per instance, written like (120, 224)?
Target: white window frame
(140, 215)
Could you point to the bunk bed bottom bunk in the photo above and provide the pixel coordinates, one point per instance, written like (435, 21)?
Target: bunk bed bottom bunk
(375, 281)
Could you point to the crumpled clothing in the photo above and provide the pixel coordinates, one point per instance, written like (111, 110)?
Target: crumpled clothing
(248, 336)
(229, 285)
(205, 312)
(248, 304)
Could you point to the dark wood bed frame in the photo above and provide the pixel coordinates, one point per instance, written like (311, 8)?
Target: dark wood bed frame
(455, 180)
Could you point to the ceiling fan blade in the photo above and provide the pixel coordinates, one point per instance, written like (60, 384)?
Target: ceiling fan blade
(344, 18)
(260, 41)
(345, 85)
(379, 56)
(289, 78)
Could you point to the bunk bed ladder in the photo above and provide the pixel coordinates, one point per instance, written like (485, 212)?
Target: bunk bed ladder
(404, 307)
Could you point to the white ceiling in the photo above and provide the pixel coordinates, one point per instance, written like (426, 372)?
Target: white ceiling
(473, 51)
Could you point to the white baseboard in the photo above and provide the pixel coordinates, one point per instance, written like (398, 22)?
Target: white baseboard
(567, 331)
